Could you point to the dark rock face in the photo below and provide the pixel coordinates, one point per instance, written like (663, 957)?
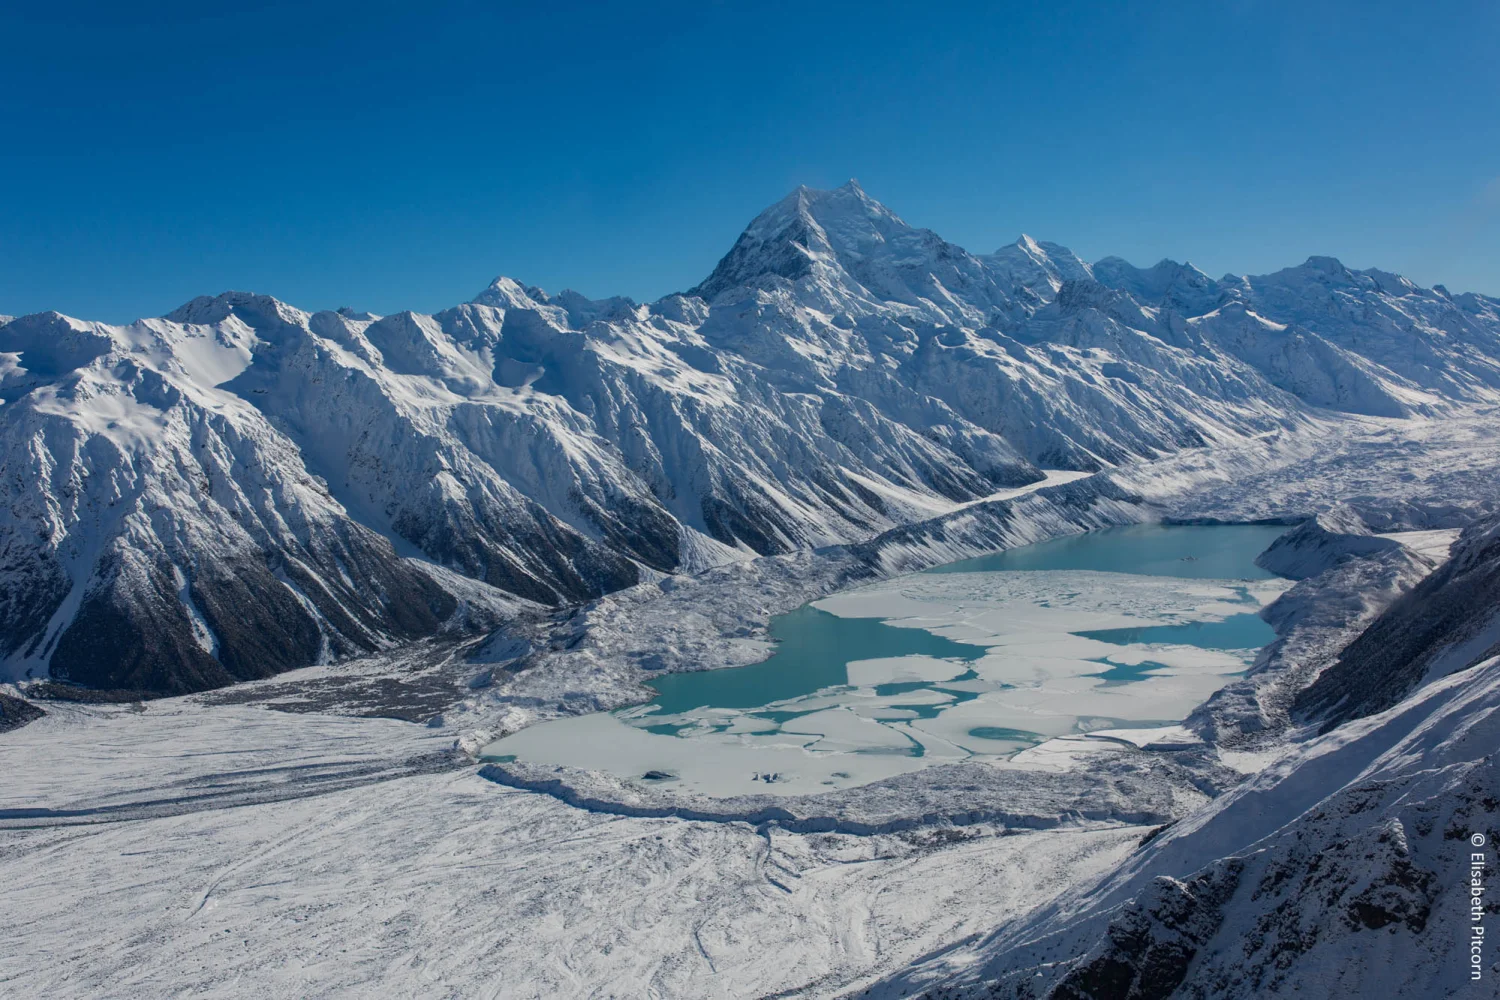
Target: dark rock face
(37, 587)
(261, 627)
(644, 531)
(132, 634)
(1447, 622)
(783, 254)
(1148, 949)
(747, 519)
(16, 712)
(533, 557)
(1365, 882)
(134, 631)
(360, 586)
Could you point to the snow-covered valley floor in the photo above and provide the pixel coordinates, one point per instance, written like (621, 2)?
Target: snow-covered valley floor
(444, 884)
(214, 846)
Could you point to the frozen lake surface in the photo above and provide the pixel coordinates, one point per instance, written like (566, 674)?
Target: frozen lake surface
(1126, 628)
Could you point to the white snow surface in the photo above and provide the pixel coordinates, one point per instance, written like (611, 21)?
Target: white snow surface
(442, 883)
(662, 473)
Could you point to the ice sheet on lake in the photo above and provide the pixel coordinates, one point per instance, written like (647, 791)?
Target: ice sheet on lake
(1039, 680)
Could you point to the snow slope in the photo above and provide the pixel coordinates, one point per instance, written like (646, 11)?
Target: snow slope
(240, 487)
(1334, 873)
(1319, 543)
(1447, 623)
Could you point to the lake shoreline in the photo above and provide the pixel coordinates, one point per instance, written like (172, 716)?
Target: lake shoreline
(963, 678)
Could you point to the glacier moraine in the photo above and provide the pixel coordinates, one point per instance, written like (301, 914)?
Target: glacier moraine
(1108, 633)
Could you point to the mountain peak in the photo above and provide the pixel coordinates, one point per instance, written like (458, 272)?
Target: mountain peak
(51, 343)
(819, 207)
(1030, 262)
(1325, 265)
(1183, 287)
(255, 308)
(508, 293)
(806, 226)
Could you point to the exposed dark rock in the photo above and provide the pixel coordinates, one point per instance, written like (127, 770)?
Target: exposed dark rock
(548, 563)
(754, 523)
(1148, 948)
(36, 586)
(1445, 623)
(261, 627)
(16, 712)
(783, 254)
(134, 632)
(131, 633)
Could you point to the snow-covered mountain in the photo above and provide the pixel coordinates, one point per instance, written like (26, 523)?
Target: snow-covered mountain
(240, 487)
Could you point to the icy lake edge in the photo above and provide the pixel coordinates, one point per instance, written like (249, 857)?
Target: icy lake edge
(600, 742)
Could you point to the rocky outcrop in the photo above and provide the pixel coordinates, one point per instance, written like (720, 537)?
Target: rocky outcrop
(1147, 950)
(16, 712)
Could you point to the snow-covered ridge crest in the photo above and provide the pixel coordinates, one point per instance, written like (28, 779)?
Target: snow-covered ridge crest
(839, 374)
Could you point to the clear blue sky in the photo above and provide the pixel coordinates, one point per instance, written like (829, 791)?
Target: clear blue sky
(390, 156)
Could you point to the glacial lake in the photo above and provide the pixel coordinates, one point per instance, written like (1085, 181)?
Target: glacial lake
(1127, 628)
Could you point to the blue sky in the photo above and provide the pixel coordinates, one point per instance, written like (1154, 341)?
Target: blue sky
(390, 156)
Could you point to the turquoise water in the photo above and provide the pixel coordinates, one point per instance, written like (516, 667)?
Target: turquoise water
(1216, 552)
(1124, 673)
(799, 721)
(1245, 631)
(1001, 733)
(813, 652)
(809, 670)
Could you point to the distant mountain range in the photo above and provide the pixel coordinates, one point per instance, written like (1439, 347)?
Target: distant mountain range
(240, 488)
